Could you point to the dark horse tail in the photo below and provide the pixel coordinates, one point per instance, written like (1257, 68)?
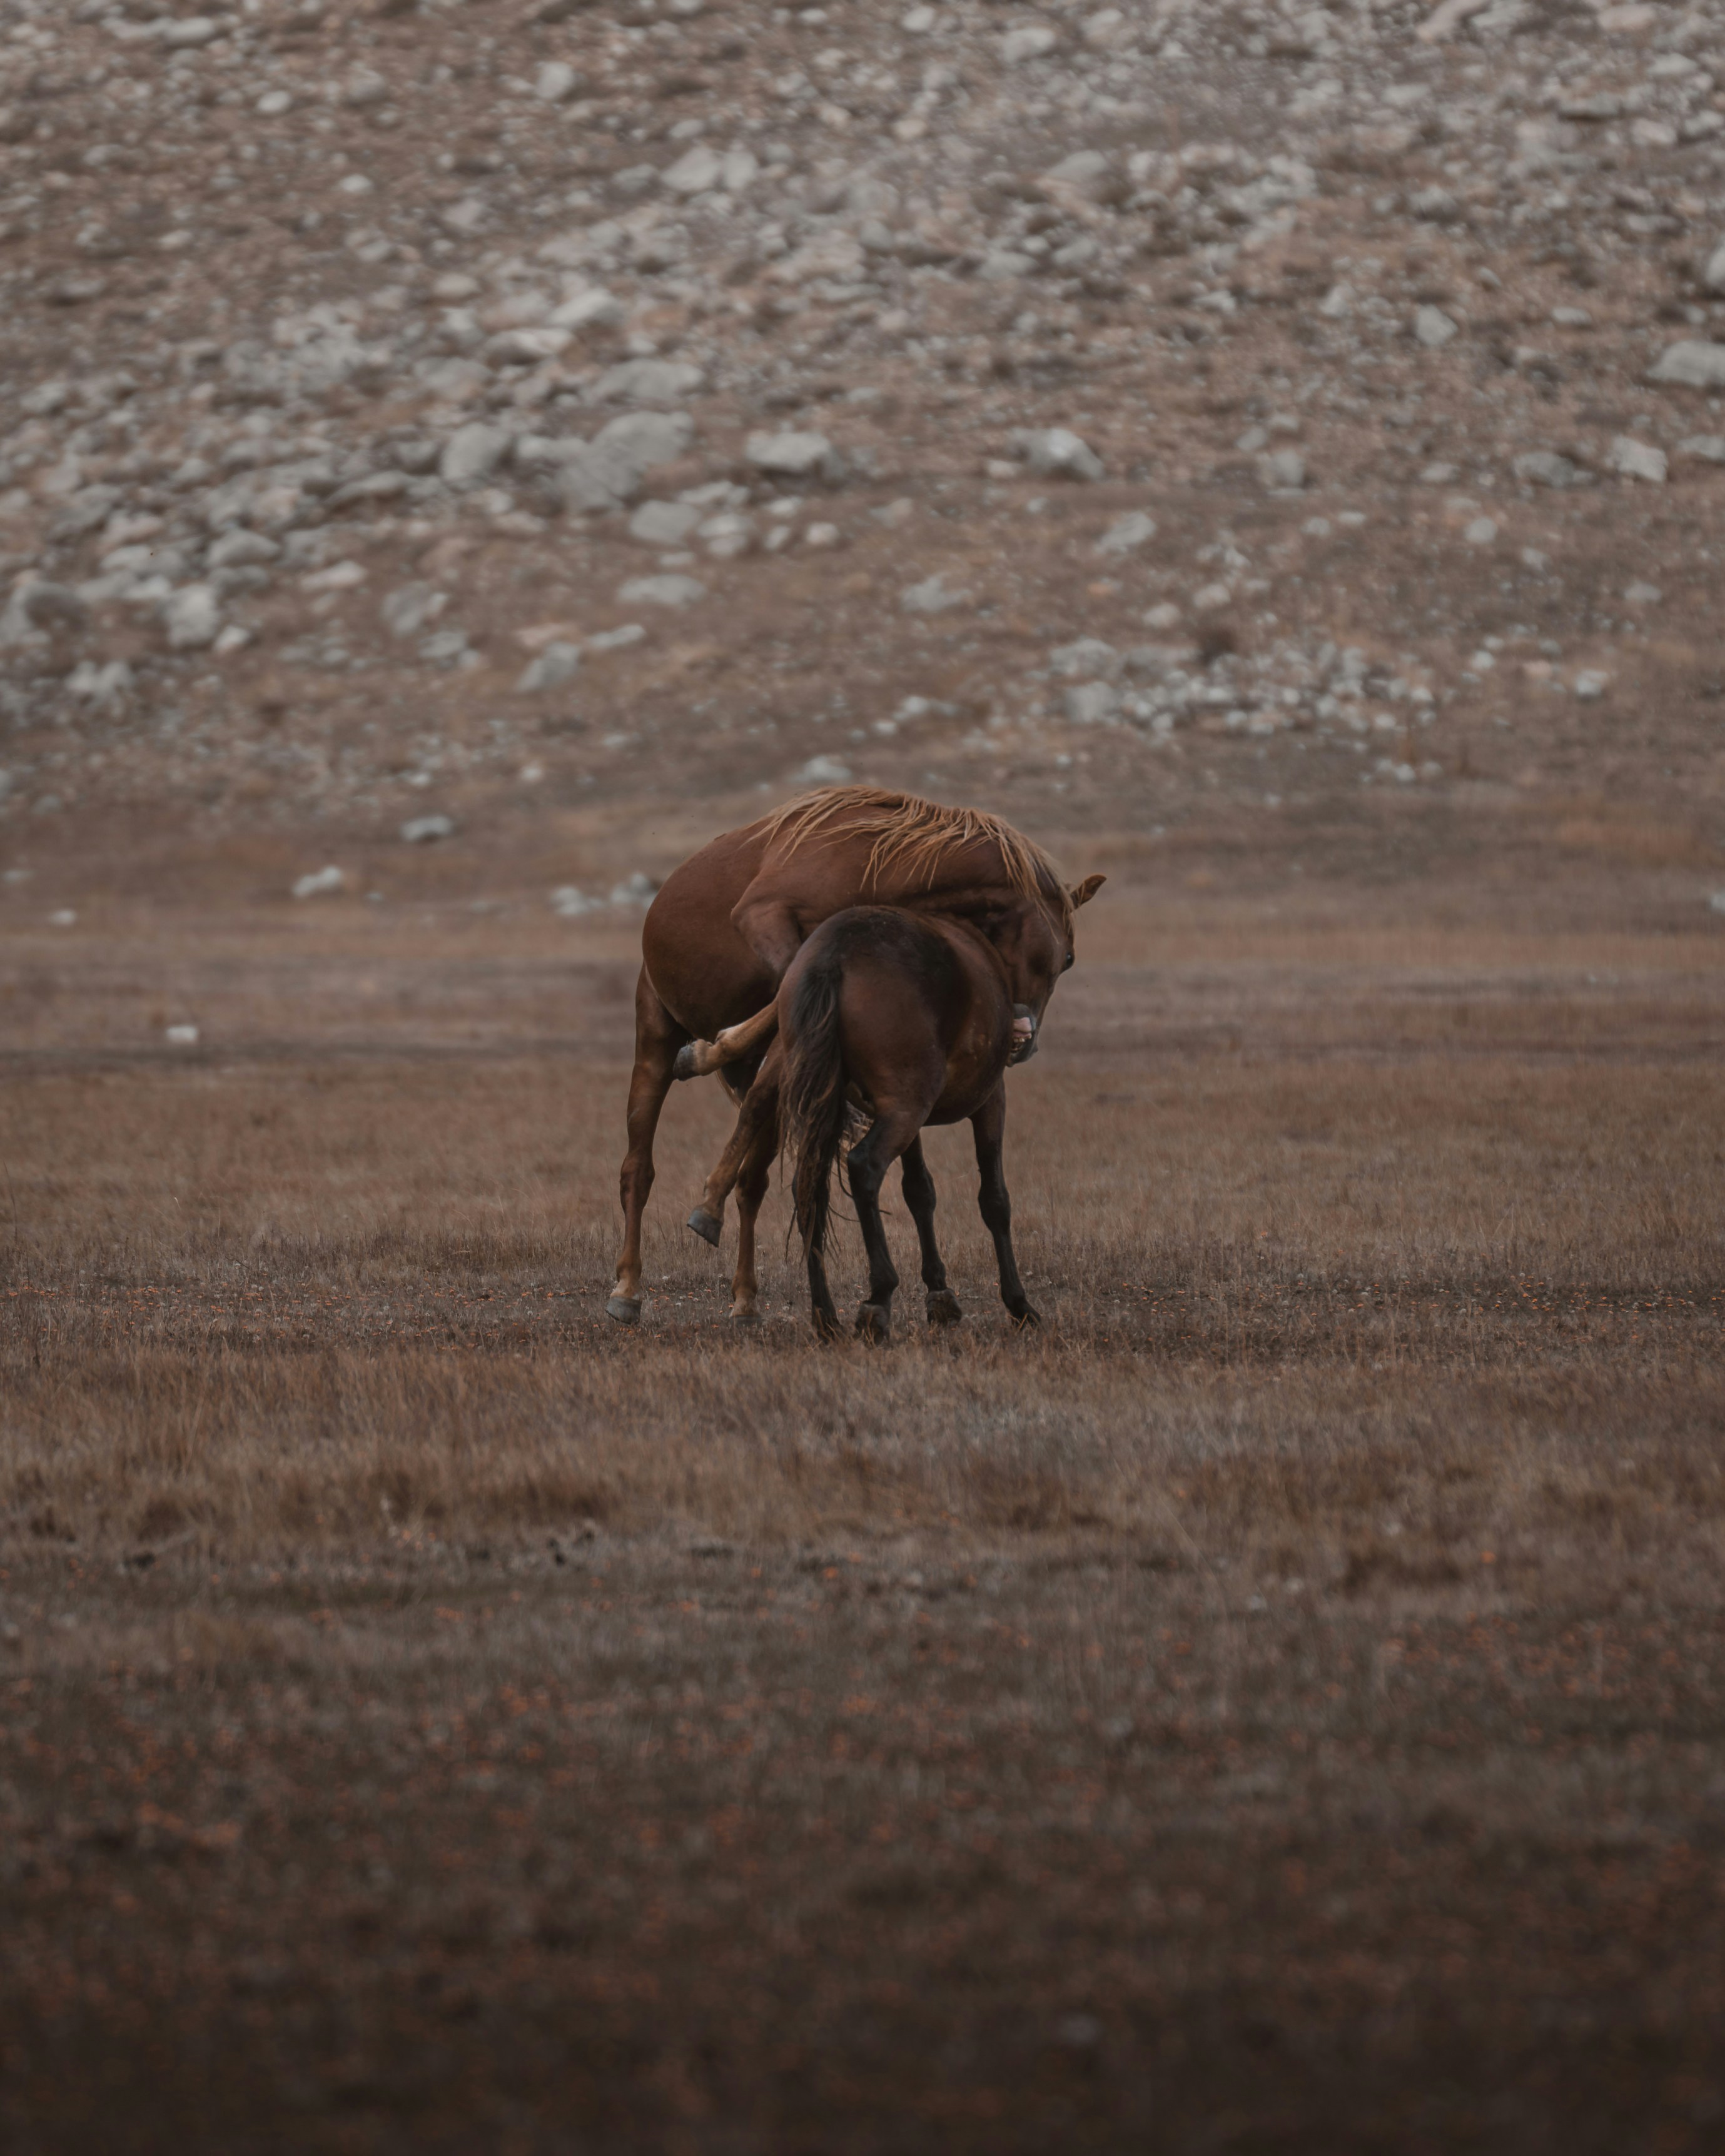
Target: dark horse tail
(813, 1105)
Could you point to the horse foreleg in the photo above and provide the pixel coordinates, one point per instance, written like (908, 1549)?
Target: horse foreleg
(889, 1136)
(658, 1037)
(989, 1126)
(942, 1304)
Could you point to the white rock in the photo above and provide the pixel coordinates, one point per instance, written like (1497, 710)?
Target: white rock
(1086, 174)
(931, 596)
(555, 81)
(413, 607)
(664, 523)
(192, 31)
(318, 882)
(528, 346)
(570, 902)
(1637, 459)
(1209, 598)
(1711, 447)
(1092, 704)
(180, 1036)
(667, 591)
(1089, 660)
(426, 830)
(1031, 41)
(1283, 471)
(193, 617)
(1126, 533)
(1482, 533)
(695, 172)
(648, 382)
(1692, 365)
(473, 453)
(559, 662)
(792, 454)
(822, 771)
(1433, 328)
(1057, 453)
(1546, 467)
(593, 308)
(740, 172)
(1713, 276)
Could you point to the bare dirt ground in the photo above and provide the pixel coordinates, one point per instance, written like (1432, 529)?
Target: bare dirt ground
(1276, 1706)
(454, 458)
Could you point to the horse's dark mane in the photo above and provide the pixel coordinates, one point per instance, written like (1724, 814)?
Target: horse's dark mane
(915, 836)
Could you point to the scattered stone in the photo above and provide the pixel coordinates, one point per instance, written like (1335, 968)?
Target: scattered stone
(1126, 533)
(1090, 659)
(427, 830)
(648, 382)
(931, 596)
(570, 903)
(664, 523)
(1092, 704)
(1692, 365)
(473, 453)
(1482, 533)
(319, 882)
(822, 771)
(1030, 41)
(1208, 598)
(558, 663)
(1547, 468)
(412, 609)
(666, 591)
(794, 455)
(1056, 453)
(1709, 448)
(1713, 275)
(1283, 471)
(1636, 459)
(193, 618)
(180, 1036)
(1433, 329)
(695, 172)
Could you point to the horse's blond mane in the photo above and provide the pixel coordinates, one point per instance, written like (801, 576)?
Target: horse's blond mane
(914, 836)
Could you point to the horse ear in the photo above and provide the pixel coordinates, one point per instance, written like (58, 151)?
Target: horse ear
(1087, 891)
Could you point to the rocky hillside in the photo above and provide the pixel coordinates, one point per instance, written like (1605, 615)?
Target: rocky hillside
(410, 413)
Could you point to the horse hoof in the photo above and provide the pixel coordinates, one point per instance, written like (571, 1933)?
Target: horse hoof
(749, 1317)
(827, 1326)
(704, 1224)
(626, 1310)
(1025, 1318)
(686, 1065)
(944, 1307)
(874, 1323)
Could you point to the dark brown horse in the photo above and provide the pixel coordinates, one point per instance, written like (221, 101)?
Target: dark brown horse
(728, 923)
(1026, 941)
(908, 1018)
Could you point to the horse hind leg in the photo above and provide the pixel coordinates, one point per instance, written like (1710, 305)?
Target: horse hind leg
(698, 1059)
(941, 1305)
(759, 1113)
(657, 1038)
(751, 1189)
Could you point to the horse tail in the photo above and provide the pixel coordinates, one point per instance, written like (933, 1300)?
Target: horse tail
(814, 1106)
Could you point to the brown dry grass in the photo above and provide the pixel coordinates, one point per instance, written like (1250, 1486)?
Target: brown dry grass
(1278, 1705)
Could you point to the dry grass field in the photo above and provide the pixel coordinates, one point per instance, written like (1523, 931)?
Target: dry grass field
(1279, 1705)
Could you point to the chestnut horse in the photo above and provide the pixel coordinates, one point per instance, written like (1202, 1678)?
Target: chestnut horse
(726, 924)
(908, 1018)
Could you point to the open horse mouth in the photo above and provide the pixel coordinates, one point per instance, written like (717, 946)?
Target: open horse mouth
(1024, 1034)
